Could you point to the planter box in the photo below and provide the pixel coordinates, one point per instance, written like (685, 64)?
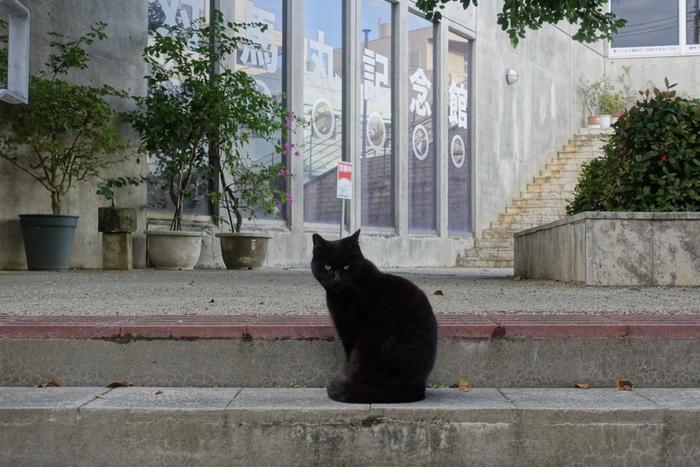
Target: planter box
(613, 248)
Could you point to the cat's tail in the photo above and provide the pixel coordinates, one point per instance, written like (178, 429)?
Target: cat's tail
(360, 393)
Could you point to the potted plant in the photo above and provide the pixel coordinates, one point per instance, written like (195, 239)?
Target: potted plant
(173, 122)
(610, 104)
(66, 134)
(591, 92)
(117, 224)
(218, 110)
(247, 186)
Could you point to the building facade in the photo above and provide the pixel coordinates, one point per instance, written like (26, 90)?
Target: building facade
(439, 140)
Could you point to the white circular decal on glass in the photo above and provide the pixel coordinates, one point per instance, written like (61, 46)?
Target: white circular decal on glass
(322, 119)
(376, 131)
(421, 143)
(260, 86)
(457, 151)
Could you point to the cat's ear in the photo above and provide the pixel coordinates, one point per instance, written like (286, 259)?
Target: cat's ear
(354, 238)
(318, 240)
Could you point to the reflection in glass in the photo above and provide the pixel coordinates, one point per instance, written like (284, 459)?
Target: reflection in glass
(459, 139)
(323, 108)
(650, 23)
(421, 148)
(692, 22)
(265, 65)
(181, 13)
(376, 149)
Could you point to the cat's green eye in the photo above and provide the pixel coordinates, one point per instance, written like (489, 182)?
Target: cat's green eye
(346, 267)
(327, 267)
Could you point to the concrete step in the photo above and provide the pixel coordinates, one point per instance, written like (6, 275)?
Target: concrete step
(264, 351)
(536, 205)
(527, 218)
(564, 188)
(497, 244)
(488, 254)
(537, 209)
(87, 426)
(561, 196)
(483, 263)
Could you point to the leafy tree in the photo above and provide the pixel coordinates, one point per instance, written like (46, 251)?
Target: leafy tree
(68, 132)
(591, 16)
(191, 107)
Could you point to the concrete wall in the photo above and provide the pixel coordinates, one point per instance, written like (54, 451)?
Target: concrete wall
(117, 62)
(613, 249)
(648, 71)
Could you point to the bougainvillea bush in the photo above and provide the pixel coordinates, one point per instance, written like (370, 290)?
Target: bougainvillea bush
(651, 162)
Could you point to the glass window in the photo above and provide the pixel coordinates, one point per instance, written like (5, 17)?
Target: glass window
(323, 106)
(266, 67)
(377, 192)
(182, 13)
(459, 135)
(692, 22)
(421, 147)
(650, 23)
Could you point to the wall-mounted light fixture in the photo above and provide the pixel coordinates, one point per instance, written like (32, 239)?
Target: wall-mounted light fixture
(511, 76)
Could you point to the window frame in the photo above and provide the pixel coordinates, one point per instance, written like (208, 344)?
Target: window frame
(681, 49)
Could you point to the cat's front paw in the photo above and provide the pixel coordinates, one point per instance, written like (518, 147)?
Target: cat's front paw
(337, 390)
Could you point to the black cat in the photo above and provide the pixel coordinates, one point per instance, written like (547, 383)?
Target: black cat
(385, 322)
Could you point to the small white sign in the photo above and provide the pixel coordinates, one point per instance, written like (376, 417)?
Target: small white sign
(344, 180)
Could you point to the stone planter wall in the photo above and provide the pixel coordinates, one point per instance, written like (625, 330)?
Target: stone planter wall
(613, 248)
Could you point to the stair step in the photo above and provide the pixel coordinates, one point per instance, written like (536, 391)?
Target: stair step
(258, 351)
(496, 244)
(301, 426)
(484, 263)
(488, 254)
(537, 210)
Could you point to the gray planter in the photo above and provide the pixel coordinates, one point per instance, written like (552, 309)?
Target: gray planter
(174, 250)
(116, 225)
(243, 251)
(48, 240)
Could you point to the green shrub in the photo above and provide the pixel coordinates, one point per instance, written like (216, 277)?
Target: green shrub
(651, 162)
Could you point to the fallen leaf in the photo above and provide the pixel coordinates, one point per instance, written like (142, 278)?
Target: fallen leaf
(623, 385)
(54, 383)
(464, 385)
(158, 392)
(118, 384)
(439, 292)
(517, 278)
(582, 385)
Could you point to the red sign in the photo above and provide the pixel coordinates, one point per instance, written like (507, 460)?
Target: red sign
(344, 180)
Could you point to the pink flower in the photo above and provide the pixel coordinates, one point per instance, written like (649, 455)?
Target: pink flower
(282, 173)
(288, 119)
(296, 153)
(278, 205)
(664, 157)
(289, 198)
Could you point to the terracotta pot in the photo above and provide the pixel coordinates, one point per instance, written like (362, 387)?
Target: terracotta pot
(592, 121)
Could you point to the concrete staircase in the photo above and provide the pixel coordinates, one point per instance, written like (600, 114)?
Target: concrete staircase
(544, 200)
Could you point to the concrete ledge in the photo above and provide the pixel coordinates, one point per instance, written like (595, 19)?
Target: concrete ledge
(230, 426)
(613, 249)
(320, 327)
(503, 351)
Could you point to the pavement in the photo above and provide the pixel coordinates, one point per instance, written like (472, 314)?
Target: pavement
(265, 426)
(296, 292)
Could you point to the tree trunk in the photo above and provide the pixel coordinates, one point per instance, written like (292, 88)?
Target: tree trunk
(57, 202)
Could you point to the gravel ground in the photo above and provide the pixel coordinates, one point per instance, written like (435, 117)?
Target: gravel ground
(262, 292)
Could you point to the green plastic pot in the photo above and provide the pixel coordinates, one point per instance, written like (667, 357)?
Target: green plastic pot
(48, 240)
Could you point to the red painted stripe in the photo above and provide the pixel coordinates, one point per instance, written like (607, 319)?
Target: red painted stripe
(320, 326)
